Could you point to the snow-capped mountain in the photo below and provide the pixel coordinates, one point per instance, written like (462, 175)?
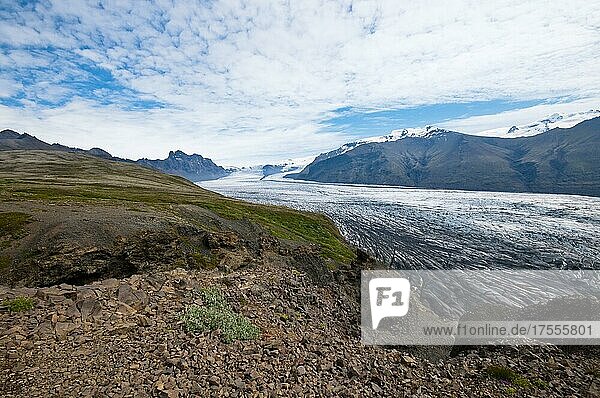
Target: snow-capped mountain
(290, 166)
(566, 120)
(556, 161)
(395, 135)
(557, 120)
(285, 167)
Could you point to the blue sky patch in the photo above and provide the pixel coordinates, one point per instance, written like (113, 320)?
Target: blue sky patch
(364, 123)
(73, 76)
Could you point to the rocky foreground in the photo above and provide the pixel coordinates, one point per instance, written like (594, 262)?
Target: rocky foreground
(125, 338)
(103, 259)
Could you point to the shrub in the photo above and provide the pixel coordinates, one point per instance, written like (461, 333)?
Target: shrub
(213, 297)
(592, 369)
(216, 314)
(504, 373)
(19, 304)
(501, 372)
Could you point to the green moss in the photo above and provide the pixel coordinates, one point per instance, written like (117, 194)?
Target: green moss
(69, 178)
(501, 372)
(289, 224)
(216, 314)
(12, 224)
(205, 261)
(283, 317)
(280, 221)
(5, 261)
(19, 304)
(522, 382)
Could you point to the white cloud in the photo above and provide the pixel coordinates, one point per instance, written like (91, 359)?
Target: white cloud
(153, 133)
(8, 88)
(248, 79)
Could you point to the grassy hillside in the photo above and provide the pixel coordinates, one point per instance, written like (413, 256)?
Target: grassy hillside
(67, 185)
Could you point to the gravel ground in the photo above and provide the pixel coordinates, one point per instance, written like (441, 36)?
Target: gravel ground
(124, 338)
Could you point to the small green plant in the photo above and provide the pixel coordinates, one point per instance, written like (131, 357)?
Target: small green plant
(511, 391)
(19, 304)
(501, 373)
(213, 297)
(521, 382)
(504, 373)
(541, 384)
(283, 317)
(216, 314)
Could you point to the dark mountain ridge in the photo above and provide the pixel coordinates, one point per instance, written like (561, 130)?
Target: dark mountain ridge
(557, 161)
(11, 140)
(192, 167)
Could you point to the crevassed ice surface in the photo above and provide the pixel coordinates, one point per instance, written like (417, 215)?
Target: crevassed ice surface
(439, 229)
(420, 228)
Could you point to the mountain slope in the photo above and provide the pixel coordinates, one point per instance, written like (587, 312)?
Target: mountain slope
(395, 135)
(557, 161)
(11, 140)
(193, 167)
(67, 217)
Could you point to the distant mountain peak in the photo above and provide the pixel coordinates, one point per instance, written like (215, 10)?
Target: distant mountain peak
(556, 120)
(179, 152)
(7, 133)
(425, 132)
(394, 135)
(181, 155)
(13, 135)
(193, 167)
(11, 140)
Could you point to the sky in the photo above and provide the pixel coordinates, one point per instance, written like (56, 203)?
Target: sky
(248, 82)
